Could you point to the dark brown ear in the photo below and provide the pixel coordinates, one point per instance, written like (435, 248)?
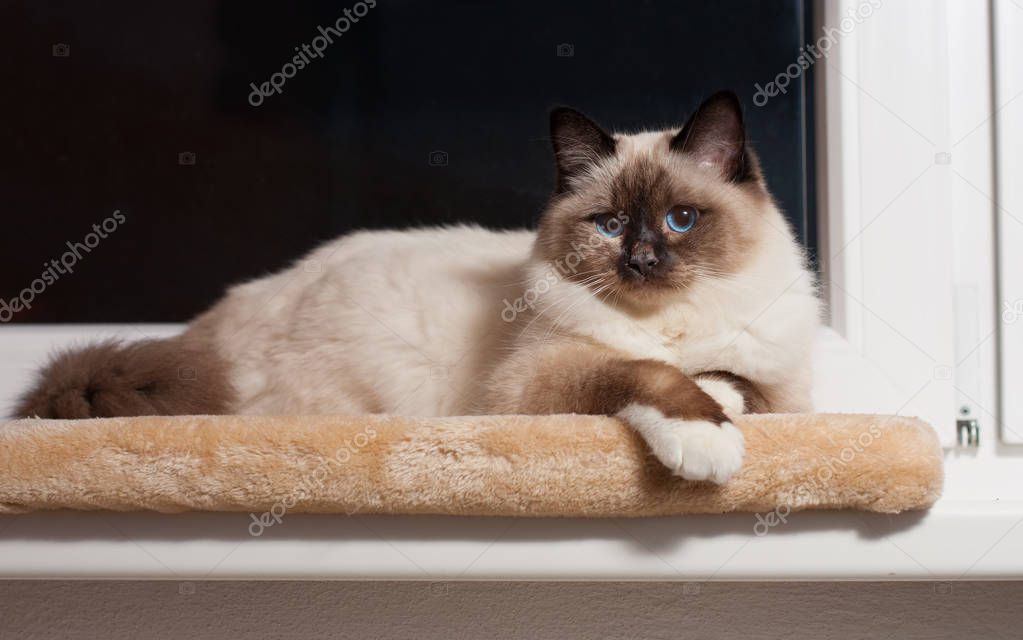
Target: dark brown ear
(715, 137)
(578, 143)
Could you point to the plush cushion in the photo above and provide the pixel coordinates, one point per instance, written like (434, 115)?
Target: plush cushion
(564, 465)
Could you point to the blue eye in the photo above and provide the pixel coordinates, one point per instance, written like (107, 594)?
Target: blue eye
(681, 218)
(609, 225)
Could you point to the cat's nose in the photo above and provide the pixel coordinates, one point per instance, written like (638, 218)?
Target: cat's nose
(642, 260)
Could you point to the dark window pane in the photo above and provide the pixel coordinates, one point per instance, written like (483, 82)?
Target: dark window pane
(420, 113)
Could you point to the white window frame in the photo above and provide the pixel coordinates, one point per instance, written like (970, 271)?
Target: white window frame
(1008, 93)
(907, 232)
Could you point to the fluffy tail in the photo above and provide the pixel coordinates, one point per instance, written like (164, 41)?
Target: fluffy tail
(153, 377)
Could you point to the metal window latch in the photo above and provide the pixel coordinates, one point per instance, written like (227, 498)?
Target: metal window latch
(968, 432)
(967, 377)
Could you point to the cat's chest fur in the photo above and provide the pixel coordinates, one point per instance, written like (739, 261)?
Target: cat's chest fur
(760, 329)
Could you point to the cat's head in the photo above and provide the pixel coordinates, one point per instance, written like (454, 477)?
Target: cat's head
(646, 216)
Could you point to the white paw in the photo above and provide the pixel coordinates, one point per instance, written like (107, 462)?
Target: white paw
(725, 393)
(693, 449)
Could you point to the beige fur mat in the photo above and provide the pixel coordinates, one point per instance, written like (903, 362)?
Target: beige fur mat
(491, 465)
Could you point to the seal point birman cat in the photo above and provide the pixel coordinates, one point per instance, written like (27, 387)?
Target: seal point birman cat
(663, 286)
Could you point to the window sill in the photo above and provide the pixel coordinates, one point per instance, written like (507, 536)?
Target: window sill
(972, 533)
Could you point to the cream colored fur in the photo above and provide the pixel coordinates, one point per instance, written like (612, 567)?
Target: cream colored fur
(376, 322)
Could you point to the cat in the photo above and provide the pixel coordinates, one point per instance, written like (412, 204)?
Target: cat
(662, 286)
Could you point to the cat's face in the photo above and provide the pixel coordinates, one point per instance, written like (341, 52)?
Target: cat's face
(642, 217)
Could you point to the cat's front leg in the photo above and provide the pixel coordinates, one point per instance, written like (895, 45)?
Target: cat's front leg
(686, 429)
(736, 394)
(724, 393)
